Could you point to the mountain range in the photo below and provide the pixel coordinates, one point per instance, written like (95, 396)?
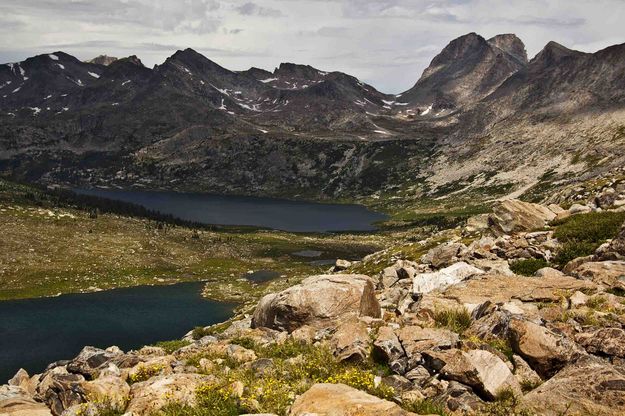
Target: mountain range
(481, 120)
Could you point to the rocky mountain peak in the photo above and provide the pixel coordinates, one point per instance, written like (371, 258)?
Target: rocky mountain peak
(102, 60)
(467, 70)
(458, 48)
(297, 71)
(133, 59)
(552, 54)
(511, 44)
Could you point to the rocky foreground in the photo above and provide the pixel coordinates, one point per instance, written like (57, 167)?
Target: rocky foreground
(454, 331)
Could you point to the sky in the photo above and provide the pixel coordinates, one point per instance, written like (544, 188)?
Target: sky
(387, 43)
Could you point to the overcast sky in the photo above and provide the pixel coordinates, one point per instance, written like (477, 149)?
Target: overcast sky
(387, 43)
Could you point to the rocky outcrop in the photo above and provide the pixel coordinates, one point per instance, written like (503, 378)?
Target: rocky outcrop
(341, 400)
(604, 341)
(608, 274)
(318, 300)
(587, 387)
(14, 401)
(513, 216)
(461, 337)
(502, 289)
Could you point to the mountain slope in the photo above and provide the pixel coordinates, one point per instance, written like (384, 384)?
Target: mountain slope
(482, 119)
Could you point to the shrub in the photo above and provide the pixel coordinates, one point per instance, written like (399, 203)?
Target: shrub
(529, 385)
(245, 342)
(144, 372)
(288, 349)
(426, 407)
(527, 267)
(171, 346)
(457, 320)
(362, 380)
(218, 399)
(507, 403)
(200, 332)
(581, 234)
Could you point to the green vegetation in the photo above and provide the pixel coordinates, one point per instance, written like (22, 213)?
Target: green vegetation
(426, 407)
(293, 368)
(527, 267)
(171, 346)
(507, 403)
(51, 246)
(582, 234)
(457, 320)
(144, 372)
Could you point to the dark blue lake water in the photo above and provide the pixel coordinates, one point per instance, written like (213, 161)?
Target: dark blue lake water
(278, 214)
(35, 332)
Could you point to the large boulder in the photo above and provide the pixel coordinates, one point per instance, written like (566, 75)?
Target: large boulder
(587, 387)
(545, 351)
(513, 216)
(342, 400)
(609, 274)
(454, 274)
(318, 301)
(151, 395)
(480, 369)
(14, 401)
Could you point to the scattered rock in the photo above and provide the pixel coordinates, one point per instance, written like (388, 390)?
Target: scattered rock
(524, 373)
(579, 209)
(341, 264)
(415, 340)
(90, 360)
(609, 274)
(111, 389)
(480, 369)
(61, 390)
(151, 395)
(14, 401)
(350, 342)
(545, 351)
(578, 299)
(387, 346)
(443, 255)
(604, 341)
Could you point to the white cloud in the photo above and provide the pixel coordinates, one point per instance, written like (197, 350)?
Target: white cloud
(387, 43)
